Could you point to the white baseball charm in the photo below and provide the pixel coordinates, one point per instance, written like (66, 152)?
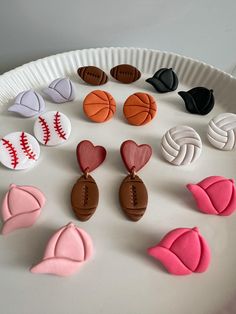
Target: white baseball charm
(19, 150)
(221, 131)
(52, 128)
(181, 145)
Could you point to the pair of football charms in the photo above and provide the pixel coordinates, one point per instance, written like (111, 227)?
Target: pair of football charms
(133, 194)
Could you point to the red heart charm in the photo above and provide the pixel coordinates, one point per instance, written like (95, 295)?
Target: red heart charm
(89, 156)
(135, 156)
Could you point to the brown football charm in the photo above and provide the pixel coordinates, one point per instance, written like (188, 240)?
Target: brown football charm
(133, 194)
(84, 197)
(92, 75)
(133, 197)
(125, 73)
(85, 194)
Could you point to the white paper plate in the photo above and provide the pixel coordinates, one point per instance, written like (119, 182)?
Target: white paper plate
(121, 278)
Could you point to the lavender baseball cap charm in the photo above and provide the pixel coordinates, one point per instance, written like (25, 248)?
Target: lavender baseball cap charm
(28, 104)
(60, 90)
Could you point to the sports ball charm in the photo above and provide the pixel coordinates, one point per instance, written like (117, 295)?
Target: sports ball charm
(221, 131)
(133, 193)
(181, 145)
(19, 150)
(52, 128)
(99, 106)
(92, 75)
(85, 194)
(139, 109)
(125, 73)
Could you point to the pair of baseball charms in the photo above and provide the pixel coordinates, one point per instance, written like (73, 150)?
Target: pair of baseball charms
(21, 150)
(133, 194)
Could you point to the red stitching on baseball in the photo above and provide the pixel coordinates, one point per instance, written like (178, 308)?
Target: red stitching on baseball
(12, 152)
(25, 146)
(45, 128)
(58, 127)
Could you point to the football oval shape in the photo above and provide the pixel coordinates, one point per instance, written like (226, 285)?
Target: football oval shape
(133, 197)
(125, 73)
(84, 197)
(92, 75)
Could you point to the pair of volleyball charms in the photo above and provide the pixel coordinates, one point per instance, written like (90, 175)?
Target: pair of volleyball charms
(139, 108)
(181, 145)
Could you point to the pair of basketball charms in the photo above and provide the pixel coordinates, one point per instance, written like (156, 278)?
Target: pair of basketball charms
(133, 194)
(139, 108)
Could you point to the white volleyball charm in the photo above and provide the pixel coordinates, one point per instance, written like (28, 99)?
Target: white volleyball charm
(19, 150)
(181, 145)
(60, 90)
(221, 131)
(52, 128)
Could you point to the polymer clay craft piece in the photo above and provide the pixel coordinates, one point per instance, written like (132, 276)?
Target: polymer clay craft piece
(28, 104)
(52, 128)
(21, 207)
(183, 251)
(92, 75)
(221, 131)
(140, 108)
(19, 150)
(181, 145)
(215, 195)
(85, 194)
(60, 90)
(198, 100)
(66, 252)
(125, 73)
(164, 80)
(133, 194)
(99, 106)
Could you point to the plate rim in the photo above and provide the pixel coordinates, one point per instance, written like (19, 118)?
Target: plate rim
(86, 50)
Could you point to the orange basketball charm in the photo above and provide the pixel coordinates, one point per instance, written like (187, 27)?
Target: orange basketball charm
(140, 108)
(99, 106)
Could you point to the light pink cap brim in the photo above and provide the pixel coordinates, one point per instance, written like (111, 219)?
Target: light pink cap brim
(20, 221)
(57, 266)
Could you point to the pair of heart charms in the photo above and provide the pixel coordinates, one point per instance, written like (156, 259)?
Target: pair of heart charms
(133, 194)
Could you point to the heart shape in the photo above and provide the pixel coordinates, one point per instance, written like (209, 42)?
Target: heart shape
(135, 156)
(89, 156)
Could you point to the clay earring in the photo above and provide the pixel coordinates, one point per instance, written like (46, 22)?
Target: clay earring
(99, 106)
(133, 193)
(67, 250)
(92, 75)
(21, 207)
(140, 109)
(125, 73)
(85, 194)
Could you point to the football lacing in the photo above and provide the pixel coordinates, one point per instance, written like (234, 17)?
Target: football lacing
(133, 195)
(85, 195)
